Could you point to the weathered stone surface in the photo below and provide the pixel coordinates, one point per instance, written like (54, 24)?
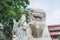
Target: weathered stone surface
(14, 37)
(38, 25)
(37, 15)
(37, 22)
(35, 29)
(15, 26)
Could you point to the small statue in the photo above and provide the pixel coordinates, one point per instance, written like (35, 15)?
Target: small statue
(37, 23)
(23, 31)
(15, 26)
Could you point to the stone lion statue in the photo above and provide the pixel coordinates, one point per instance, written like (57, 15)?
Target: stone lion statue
(35, 29)
(37, 24)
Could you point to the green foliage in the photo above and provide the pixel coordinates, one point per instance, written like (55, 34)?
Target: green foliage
(59, 37)
(11, 9)
(27, 13)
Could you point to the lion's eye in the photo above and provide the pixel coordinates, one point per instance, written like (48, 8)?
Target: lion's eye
(37, 17)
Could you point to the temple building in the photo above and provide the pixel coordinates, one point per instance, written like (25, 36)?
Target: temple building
(54, 31)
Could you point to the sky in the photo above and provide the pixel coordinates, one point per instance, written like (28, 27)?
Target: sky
(51, 8)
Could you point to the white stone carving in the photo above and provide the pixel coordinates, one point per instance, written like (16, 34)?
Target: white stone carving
(35, 29)
(38, 25)
(15, 26)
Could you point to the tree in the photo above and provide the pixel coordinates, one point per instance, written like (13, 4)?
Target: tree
(9, 10)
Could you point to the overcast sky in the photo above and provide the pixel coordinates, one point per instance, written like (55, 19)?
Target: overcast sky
(51, 7)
